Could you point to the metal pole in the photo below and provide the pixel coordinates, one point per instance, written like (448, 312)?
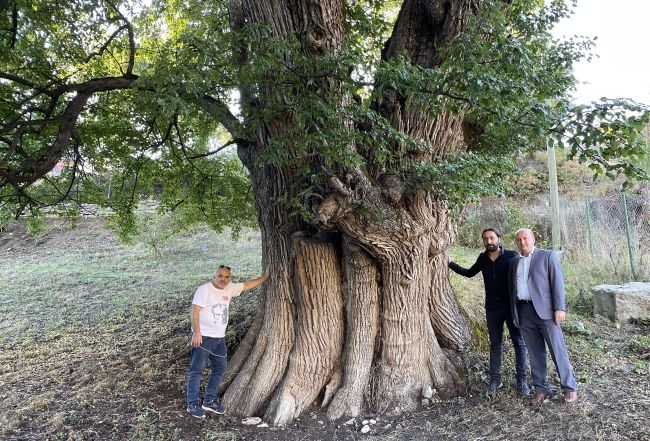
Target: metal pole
(555, 205)
(629, 238)
(591, 236)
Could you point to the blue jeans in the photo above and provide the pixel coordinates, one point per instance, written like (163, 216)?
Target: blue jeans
(213, 349)
(495, 319)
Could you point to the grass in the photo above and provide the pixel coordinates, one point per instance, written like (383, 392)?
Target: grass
(69, 289)
(93, 322)
(93, 346)
(470, 295)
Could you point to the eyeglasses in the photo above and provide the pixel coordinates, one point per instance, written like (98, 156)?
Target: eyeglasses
(224, 266)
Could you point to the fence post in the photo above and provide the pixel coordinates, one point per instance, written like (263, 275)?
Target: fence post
(629, 238)
(591, 236)
(553, 197)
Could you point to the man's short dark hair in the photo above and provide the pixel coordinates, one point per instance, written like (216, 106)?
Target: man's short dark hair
(494, 230)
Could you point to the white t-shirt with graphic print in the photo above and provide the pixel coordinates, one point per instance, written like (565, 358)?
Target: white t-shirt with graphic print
(213, 318)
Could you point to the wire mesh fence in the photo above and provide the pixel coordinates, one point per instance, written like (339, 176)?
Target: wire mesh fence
(154, 193)
(612, 231)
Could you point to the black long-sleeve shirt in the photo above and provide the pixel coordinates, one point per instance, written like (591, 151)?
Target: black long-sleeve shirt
(495, 277)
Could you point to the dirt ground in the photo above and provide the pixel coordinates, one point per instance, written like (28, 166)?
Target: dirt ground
(134, 387)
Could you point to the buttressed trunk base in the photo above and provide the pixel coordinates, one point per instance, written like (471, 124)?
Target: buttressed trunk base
(358, 312)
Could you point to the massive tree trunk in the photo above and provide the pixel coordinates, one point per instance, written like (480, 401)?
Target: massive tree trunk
(358, 308)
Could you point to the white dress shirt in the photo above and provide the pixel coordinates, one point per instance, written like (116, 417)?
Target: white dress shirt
(523, 267)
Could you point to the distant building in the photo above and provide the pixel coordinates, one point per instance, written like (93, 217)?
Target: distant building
(58, 168)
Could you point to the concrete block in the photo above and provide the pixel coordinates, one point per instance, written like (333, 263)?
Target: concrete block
(619, 303)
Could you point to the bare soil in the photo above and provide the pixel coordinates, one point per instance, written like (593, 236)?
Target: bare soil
(126, 381)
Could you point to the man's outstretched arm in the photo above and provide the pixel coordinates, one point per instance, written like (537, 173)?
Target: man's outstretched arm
(471, 272)
(250, 284)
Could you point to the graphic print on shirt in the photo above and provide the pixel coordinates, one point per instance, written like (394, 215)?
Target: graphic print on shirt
(220, 314)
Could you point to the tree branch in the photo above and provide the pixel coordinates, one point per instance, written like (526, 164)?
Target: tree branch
(104, 47)
(129, 69)
(218, 109)
(24, 82)
(214, 152)
(33, 167)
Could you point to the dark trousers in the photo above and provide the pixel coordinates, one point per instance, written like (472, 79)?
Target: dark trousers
(214, 350)
(495, 319)
(538, 334)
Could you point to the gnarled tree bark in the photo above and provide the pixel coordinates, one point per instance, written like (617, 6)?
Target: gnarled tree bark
(358, 319)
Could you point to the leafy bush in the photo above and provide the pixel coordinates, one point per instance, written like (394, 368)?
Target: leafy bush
(155, 229)
(508, 216)
(579, 299)
(36, 226)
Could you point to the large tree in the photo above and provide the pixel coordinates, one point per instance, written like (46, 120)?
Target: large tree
(364, 127)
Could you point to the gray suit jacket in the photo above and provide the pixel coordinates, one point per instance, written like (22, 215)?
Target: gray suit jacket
(545, 284)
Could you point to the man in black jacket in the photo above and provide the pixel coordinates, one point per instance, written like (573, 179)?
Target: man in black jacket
(493, 263)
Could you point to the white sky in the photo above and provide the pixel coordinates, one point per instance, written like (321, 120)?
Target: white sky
(623, 69)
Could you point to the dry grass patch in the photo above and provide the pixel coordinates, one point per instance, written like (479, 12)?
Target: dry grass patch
(100, 352)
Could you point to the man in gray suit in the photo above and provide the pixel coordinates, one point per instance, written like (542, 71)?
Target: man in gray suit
(537, 291)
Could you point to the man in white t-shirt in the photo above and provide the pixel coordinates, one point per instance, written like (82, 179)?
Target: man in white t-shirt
(209, 320)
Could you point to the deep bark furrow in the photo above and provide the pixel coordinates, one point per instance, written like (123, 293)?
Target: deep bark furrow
(272, 13)
(444, 374)
(243, 350)
(332, 386)
(319, 329)
(362, 310)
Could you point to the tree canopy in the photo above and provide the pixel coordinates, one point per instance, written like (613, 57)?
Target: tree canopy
(139, 93)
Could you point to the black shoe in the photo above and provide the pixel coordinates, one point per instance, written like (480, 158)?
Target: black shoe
(493, 386)
(212, 406)
(522, 387)
(195, 410)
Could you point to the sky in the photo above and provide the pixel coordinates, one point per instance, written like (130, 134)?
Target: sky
(623, 67)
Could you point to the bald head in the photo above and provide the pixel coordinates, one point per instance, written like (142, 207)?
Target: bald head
(525, 240)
